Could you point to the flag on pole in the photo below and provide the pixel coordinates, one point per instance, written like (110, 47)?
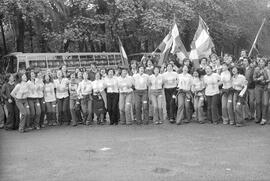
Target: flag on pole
(256, 38)
(123, 53)
(202, 44)
(166, 43)
(164, 47)
(178, 47)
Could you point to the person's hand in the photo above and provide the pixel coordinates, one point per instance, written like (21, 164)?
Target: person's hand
(9, 100)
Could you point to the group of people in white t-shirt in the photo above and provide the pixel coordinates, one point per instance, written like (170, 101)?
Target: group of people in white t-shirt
(229, 92)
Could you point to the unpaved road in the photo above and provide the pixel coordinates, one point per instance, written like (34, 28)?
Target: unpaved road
(140, 153)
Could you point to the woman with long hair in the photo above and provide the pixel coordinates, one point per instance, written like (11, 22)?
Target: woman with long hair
(125, 84)
(73, 101)
(40, 89)
(98, 99)
(50, 100)
(211, 81)
(226, 94)
(197, 88)
(156, 95)
(170, 83)
(184, 97)
(62, 86)
(239, 85)
(112, 97)
(33, 101)
(20, 94)
(85, 96)
(141, 96)
(12, 122)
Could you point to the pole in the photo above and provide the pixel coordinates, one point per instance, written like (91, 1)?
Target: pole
(256, 38)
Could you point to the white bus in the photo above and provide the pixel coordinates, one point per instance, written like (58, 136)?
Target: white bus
(14, 62)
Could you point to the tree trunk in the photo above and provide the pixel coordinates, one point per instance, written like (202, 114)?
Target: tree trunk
(3, 36)
(20, 32)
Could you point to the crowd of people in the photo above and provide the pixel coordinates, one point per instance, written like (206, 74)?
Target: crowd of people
(221, 90)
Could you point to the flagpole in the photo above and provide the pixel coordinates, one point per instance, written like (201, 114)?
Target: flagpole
(256, 38)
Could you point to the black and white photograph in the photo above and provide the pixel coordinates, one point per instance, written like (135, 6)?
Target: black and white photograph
(134, 90)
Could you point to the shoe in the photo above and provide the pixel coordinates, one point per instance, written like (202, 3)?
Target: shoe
(239, 125)
(263, 122)
(231, 123)
(156, 122)
(225, 122)
(43, 126)
(257, 121)
(37, 128)
(21, 130)
(160, 122)
(172, 121)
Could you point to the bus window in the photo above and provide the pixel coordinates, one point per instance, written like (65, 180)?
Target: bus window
(86, 61)
(101, 60)
(11, 65)
(118, 59)
(36, 64)
(54, 61)
(72, 61)
(22, 66)
(111, 60)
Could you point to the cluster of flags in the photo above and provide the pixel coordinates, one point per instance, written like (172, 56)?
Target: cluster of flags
(201, 45)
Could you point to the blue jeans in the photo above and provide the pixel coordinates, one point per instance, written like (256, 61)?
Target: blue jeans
(212, 108)
(141, 101)
(125, 107)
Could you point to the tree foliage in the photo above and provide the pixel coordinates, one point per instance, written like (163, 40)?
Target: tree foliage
(94, 25)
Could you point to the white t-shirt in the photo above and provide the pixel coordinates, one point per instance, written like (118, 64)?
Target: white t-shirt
(226, 79)
(212, 84)
(61, 88)
(184, 81)
(140, 81)
(111, 85)
(156, 81)
(49, 93)
(170, 79)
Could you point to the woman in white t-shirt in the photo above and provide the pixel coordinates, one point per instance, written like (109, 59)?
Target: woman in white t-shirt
(212, 81)
(50, 100)
(98, 98)
(170, 83)
(62, 86)
(227, 94)
(156, 95)
(184, 96)
(239, 85)
(112, 97)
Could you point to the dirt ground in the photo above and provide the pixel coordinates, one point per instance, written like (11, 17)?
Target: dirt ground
(140, 153)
